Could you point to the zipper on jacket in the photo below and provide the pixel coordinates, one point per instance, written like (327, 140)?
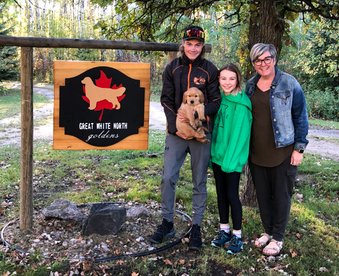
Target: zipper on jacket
(188, 77)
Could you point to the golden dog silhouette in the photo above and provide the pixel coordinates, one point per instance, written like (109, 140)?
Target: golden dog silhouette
(96, 94)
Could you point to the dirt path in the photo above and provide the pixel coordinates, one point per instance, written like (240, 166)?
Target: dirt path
(43, 126)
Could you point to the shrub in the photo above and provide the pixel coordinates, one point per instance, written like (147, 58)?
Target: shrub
(323, 104)
(3, 91)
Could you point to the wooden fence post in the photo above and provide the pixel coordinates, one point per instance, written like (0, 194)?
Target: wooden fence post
(171, 56)
(26, 184)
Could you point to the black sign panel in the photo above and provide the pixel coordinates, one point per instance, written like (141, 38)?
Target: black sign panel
(101, 106)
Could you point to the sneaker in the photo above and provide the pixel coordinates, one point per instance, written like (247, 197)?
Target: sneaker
(164, 232)
(195, 242)
(235, 245)
(221, 239)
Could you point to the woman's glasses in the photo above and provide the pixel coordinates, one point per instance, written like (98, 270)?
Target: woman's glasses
(266, 60)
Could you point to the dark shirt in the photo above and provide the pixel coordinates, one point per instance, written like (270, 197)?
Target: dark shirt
(262, 148)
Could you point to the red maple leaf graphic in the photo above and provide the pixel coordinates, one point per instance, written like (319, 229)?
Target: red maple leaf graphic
(103, 82)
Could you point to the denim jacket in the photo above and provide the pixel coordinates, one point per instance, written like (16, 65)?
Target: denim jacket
(288, 109)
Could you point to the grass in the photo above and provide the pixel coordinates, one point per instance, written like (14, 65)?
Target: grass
(310, 245)
(325, 138)
(324, 124)
(10, 104)
(311, 236)
(156, 91)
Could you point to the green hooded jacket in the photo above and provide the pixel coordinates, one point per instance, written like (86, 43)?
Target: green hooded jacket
(231, 133)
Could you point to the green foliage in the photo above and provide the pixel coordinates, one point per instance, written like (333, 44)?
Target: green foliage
(320, 59)
(323, 104)
(142, 20)
(318, 65)
(9, 63)
(3, 91)
(87, 54)
(42, 66)
(314, 62)
(228, 42)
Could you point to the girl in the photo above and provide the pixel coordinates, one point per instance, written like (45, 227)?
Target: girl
(230, 149)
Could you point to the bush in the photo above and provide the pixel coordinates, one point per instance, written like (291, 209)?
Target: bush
(323, 104)
(3, 91)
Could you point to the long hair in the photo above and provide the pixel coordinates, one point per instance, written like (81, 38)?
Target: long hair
(233, 68)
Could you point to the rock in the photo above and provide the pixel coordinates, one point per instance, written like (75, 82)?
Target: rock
(104, 219)
(140, 239)
(271, 259)
(63, 209)
(104, 247)
(138, 212)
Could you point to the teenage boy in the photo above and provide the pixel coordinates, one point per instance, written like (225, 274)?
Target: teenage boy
(191, 69)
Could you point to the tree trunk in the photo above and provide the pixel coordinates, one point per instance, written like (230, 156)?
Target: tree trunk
(248, 196)
(266, 26)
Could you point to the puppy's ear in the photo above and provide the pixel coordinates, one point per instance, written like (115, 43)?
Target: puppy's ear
(201, 97)
(184, 98)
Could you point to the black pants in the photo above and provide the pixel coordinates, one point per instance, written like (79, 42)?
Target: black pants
(274, 187)
(227, 185)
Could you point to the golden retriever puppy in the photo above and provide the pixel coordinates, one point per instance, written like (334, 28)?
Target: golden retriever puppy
(96, 94)
(192, 102)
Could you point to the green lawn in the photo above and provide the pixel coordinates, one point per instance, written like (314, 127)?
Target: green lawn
(10, 105)
(312, 235)
(324, 124)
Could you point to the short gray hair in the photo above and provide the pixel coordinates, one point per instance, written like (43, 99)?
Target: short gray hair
(260, 48)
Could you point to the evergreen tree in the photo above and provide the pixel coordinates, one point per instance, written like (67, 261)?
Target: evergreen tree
(9, 63)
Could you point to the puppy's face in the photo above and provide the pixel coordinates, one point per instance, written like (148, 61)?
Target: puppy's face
(193, 96)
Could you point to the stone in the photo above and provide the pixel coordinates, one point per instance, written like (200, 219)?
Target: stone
(63, 209)
(138, 212)
(104, 219)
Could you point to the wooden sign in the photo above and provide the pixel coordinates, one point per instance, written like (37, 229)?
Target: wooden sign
(101, 105)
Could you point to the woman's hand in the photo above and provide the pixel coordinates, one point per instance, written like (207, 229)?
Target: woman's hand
(296, 158)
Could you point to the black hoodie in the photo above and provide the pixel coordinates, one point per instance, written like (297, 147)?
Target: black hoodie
(181, 74)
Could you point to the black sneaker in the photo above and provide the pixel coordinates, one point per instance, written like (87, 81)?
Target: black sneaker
(235, 245)
(164, 232)
(221, 239)
(195, 242)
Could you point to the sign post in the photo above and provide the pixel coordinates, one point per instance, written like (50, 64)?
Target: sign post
(26, 184)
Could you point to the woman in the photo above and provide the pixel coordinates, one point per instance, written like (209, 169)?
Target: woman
(230, 148)
(278, 140)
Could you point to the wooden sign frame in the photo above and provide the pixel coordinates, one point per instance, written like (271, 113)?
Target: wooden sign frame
(68, 69)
